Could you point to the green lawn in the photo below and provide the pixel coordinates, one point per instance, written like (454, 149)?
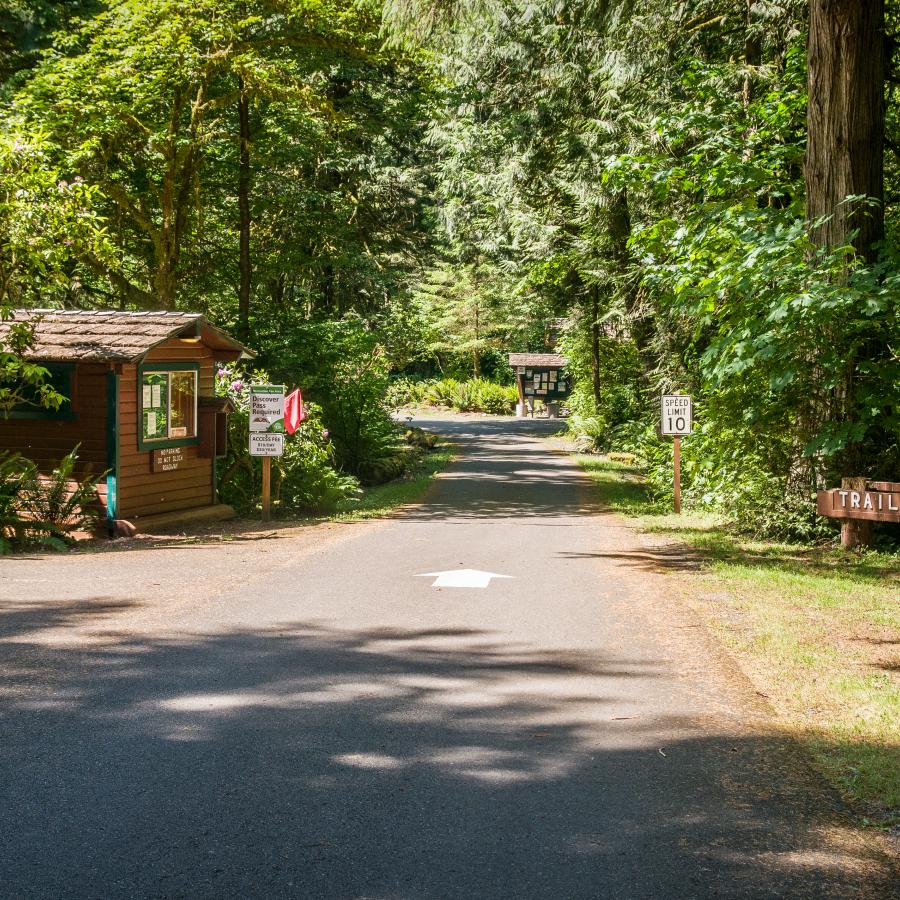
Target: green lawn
(816, 629)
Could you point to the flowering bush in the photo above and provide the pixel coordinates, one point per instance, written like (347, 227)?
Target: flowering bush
(304, 479)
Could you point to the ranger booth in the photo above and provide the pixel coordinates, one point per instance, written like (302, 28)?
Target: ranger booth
(141, 404)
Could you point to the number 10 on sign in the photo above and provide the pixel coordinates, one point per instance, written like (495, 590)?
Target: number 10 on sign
(677, 419)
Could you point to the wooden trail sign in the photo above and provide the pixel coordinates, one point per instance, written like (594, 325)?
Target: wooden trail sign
(879, 501)
(857, 503)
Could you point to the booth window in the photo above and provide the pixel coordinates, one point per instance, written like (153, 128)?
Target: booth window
(59, 377)
(168, 402)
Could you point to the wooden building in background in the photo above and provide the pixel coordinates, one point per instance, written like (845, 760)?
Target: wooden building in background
(540, 376)
(141, 405)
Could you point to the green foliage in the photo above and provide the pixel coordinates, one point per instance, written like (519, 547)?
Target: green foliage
(61, 501)
(472, 395)
(343, 366)
(46, 221)
(37, 510)
(303, 479)
(22, 382)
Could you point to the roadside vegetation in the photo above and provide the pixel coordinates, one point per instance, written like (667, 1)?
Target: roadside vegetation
(380, 500)
(815, 629)
(468, 395)
(44, 511)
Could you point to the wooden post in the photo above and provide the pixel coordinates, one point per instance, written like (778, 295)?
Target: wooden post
(855, 532)
(266, 488)
(677, 474)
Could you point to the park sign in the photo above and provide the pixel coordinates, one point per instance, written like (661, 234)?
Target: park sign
(677, 419)
(677, 414)
(266, 443)
(874, 501)
(267, 408)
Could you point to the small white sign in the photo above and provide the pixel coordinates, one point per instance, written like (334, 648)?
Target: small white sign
(677, 414)
(462, 578)
(266, 443)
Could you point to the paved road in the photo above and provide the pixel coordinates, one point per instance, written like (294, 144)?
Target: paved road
(330, 725)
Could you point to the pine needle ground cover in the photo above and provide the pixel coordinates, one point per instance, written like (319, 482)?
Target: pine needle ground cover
(817, 631)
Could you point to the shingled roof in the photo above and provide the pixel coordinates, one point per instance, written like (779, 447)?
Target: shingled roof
(112, 336)
(539, 360)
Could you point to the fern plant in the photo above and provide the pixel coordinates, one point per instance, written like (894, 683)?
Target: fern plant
(60, 501)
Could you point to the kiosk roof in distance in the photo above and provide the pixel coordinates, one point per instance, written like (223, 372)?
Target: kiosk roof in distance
(538, 360)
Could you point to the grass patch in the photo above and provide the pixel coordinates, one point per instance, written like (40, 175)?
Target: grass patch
(382, 499)
(817, 629)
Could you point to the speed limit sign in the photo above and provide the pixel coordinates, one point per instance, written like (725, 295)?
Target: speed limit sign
(677, 414)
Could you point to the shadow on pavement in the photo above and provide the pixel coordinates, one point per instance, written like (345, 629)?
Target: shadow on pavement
(308, 762)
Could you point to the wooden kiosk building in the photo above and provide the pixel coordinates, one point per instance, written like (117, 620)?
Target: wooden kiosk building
(141, 404)
(540, 376)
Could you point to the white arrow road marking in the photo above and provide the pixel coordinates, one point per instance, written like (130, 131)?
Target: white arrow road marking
(465, 578)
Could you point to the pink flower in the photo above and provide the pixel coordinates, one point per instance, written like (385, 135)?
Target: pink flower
(237, 386)
(222, 373)
(325, 433)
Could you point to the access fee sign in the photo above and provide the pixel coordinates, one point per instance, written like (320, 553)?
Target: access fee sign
(677, 414)
(265, 443)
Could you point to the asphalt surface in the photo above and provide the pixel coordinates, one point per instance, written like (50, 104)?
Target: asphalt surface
(325, 723)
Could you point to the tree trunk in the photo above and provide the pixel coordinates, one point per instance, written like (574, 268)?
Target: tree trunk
(595, 345)
(845, 122)
(244, 268)
(752, 54)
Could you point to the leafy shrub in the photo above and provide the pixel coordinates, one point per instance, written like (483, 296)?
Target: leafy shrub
(60, 500)
(344, 367)
(43, 510)
(727, 471)
(303, 479)
(471, 395)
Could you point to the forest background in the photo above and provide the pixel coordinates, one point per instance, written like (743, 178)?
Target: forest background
(700, 196)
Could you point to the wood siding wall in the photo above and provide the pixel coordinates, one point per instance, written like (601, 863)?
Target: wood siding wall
(46, 441)
(141, 491)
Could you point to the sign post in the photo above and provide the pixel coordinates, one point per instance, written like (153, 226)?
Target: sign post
(266, 434)
(677, 419)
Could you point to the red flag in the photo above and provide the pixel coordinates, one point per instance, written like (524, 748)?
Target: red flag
(293, 411)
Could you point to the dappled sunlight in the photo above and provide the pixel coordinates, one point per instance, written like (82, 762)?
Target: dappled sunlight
(303, 719)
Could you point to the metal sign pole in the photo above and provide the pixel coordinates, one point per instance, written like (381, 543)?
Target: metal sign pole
(266, 488)
(677, 474)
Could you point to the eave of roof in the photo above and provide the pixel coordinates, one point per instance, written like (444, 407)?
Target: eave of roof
(537, 359)
(116, 336)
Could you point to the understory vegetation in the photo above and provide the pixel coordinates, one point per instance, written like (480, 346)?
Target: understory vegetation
(813, 628)
(469, 395)
(44, 511)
